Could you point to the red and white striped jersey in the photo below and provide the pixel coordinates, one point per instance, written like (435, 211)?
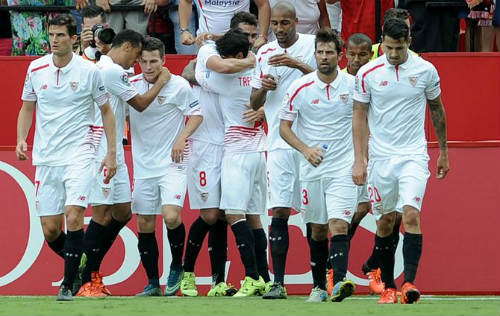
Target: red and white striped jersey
(116, 81)
(64, 108)
(214, 16)
(234, 97)
(155, 129)
(397, 96)
(302, 49)
(323, 113)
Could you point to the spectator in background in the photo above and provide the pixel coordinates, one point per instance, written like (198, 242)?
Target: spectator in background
(91, 48)
(172, 8)
(335, 14)
(312, 15)
(133, 20)
(5, 32)
(481, 21)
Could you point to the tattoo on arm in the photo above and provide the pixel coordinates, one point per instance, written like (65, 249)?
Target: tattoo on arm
(438, 116)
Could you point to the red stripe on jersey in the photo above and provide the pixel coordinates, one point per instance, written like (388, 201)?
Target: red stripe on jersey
(268, 50)
(136, 79)
(366, 73)
(298, 90)
(40, 67)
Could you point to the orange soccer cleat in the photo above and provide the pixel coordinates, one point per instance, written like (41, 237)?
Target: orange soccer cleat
(89, 290)
(409, 294)
(376, 285)
(388, 296)
(98, 284)
(329, 282)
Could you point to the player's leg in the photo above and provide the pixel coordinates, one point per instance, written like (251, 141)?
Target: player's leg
(260, 247)
(363, 208)
(318, 247)
(217, 250)
(176, 233)
(53, 233)
(412, 184)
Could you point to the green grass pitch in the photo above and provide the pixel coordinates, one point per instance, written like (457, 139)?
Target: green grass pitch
(294, 305)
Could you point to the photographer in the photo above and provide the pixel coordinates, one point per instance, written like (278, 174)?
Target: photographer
(96, 36)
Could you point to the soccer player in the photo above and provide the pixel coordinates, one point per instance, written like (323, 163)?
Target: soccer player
(321, 104)
(111, 201)
(391, 92)
(204, 171)
(392, 13)
(159, 142)
(279, 63)
(63, 87)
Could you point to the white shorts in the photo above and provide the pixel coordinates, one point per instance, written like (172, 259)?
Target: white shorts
(283, 178)
(149, 195)
(59, 186)
(397, 182)
(329, 198)
(363, 196)
(243, 183)
(204, 172)
(117, 191)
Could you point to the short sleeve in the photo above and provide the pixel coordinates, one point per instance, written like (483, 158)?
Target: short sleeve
(117, 83)
(289, 106)
(99, 93)
(433, 87)
(190, 106)
(361, 88)
(257, 74)
(28, 91)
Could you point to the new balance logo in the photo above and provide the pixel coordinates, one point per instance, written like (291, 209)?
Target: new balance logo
(82, 198)
(384, 83)
(315, 101)
(44, 87)
(417, 199)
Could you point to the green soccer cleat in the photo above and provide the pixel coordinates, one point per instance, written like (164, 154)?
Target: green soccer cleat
(174, 281)
(277, 291)
(64, 294)
(188, 284)
(342, 290)
(221, 289)
(251, 287)
(77, 283)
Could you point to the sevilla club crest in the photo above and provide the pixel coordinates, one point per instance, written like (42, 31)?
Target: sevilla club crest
(413, 81)
(74, 85)
(344, 98)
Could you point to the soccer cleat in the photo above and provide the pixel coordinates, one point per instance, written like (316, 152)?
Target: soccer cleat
(188, 284)
(409, 294)
(251, 287)
(317, 295)
(388, 296)
(329, 281)
(222, 289)
(277, 291)
(151, 290)
(77, 283)
(90, 290)
(267, 288)
(64, 294)
(342, 290)
(98, 284)
(376, 285)
(174, 281)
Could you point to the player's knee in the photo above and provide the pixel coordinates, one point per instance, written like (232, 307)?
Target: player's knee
(74, 220)
(319, 232)
(51, 232)
(146, 223)
(281, 212)
(411, 218)
(338, 227)
(363, 209)
(385, 224)
(209, 217)
(172, 219)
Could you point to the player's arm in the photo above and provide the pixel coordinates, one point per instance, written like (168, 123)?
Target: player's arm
(252, 116)
(281, 60)
(141, 101)
(230, 65)
(108, 121)
(258, 95)
(24, 120)
(312, 154)
(192, 124)
(189, 73)
(438, 116)
(324, 20)
(360, 138)
(185, 11)
(264, 18)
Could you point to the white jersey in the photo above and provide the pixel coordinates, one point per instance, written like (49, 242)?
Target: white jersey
(302, 49)
(307, 13)
(64, 108)
(215, 15)
(211, 129)
(116, 82)
(234, 94)
(397, 96)
(155, 130)
(324, 120)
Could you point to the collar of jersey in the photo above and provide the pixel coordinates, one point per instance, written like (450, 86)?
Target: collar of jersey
(66, 68)
(404, 65)
(334, 84)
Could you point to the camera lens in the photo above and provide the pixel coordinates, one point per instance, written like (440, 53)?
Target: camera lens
(106, 35)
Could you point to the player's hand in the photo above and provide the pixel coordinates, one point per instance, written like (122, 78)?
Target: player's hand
(283, 60)
(150, 6)
(359, 173)
(443, 164)
(187, 38)
(86, 37)
(269, 83)
(80, 4)
(164, 76)
(104, 4)
(203, 37)
(314, 155)
(260, 41)
(109, 162)
(251, 59)
(252, 116)
(21, 149)
(178, 150)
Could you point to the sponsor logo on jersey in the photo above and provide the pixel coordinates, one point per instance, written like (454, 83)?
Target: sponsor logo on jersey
(315, 101)
(124, 78)
(74, 85)
(413, 80)
(384, 83)
(222, 3)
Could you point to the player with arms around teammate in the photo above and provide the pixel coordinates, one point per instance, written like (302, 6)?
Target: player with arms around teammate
(111, 201)
(63, 87)
(321, 103)
(392, 92)
(159, 137)
(279, 63)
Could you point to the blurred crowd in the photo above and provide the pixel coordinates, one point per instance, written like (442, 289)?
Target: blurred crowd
(436, 26)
